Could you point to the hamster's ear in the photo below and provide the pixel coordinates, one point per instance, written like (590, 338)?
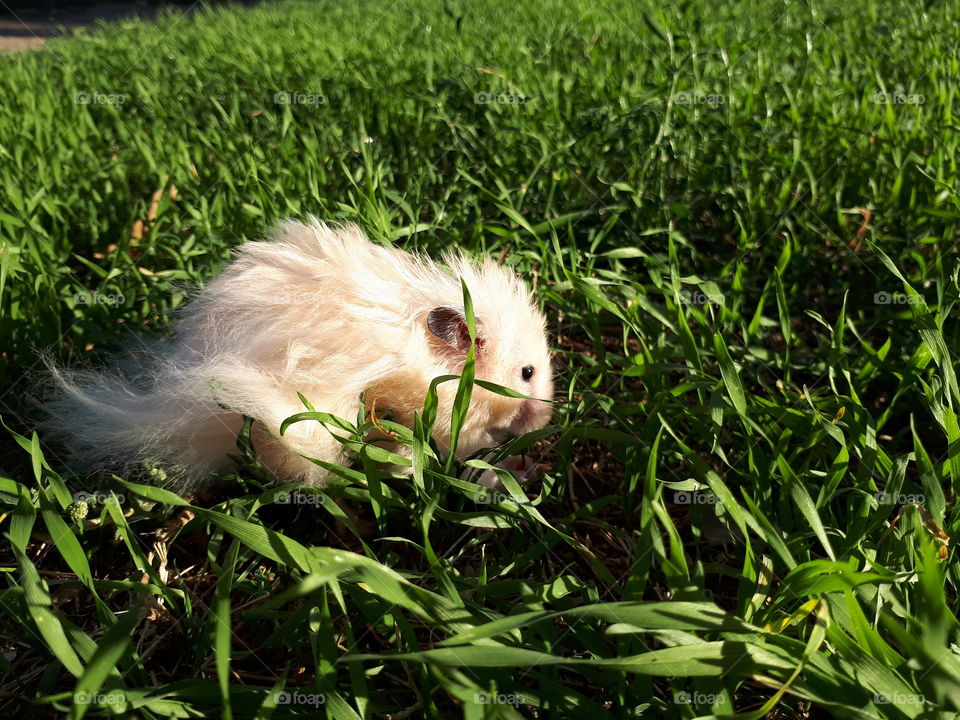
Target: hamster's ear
(450, 325)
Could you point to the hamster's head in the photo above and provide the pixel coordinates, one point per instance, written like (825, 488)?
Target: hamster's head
(511, 350)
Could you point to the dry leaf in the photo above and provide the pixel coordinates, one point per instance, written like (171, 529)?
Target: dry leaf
(154, 204)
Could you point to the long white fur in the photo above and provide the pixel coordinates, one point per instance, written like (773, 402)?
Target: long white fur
(318, 310)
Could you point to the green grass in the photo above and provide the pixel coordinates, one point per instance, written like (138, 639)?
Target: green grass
(756, 448)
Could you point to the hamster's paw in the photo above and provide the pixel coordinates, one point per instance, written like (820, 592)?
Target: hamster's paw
(520, 466)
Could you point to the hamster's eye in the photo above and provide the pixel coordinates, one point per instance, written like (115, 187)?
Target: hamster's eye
(527, 372)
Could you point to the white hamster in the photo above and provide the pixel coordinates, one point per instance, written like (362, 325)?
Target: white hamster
(322, 311)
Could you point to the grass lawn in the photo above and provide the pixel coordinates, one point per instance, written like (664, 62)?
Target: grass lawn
(741, 220)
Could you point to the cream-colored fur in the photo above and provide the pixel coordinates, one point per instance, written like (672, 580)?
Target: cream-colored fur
(322, 311)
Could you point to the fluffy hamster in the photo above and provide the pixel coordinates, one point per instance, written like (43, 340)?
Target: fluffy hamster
(322, 311)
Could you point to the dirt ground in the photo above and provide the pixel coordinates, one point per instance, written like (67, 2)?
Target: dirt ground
(27, 28)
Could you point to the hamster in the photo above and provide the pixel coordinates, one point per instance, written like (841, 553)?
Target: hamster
(322, 311)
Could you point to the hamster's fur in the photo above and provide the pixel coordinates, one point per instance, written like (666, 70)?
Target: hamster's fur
(322, 311)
